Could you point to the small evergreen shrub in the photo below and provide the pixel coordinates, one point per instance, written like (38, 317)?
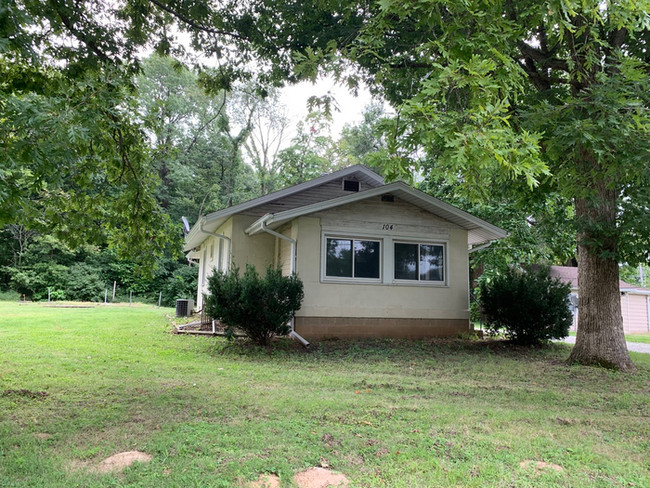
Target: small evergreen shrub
(528, 305)
(260, 306)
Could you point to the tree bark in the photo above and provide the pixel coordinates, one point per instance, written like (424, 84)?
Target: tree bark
(600, 338)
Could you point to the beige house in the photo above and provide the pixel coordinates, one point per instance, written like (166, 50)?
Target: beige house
(376, 260)
(635, 301)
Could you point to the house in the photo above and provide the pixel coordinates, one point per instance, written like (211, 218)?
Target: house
(376, 259)
(635, 301)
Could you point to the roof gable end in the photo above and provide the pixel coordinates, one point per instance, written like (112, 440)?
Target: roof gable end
(480, 231)
(288, 198)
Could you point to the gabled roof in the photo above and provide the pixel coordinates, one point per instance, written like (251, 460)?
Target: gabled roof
(479, 231)
(214, 220)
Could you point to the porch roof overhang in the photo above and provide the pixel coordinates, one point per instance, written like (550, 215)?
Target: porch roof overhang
(479, 231)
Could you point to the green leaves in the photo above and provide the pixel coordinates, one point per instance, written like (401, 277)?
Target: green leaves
(261, 306)
(75, 164)
(527, 305)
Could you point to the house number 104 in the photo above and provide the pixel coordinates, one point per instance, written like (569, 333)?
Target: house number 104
(387, 227)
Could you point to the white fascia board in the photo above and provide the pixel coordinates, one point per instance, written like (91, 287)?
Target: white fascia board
(396, 187)
(194, 237)
(191, 237)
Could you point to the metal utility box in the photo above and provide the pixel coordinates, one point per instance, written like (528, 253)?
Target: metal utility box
(184, 308)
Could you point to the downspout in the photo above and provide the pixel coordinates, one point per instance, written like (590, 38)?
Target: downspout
(292, 269)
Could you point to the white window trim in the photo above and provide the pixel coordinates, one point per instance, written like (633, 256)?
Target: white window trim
(418, 282)
(342, 279)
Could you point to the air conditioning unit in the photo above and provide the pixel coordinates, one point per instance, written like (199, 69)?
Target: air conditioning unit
(184, 308)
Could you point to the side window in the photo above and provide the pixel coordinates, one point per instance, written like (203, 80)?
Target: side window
(352, 258)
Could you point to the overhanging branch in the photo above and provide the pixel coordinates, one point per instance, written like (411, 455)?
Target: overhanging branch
(186, 20)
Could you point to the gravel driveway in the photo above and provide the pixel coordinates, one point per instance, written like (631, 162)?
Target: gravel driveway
(631, 346)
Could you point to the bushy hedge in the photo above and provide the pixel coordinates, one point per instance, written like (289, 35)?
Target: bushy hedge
(528, 305)
(261, 306)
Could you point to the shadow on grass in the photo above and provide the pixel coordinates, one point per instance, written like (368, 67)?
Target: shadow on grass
(381, 350)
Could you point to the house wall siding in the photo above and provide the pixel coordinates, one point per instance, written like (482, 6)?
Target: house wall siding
(374, 214)
(284, 259)
(209, 262)
(385, 301)
(256, 250)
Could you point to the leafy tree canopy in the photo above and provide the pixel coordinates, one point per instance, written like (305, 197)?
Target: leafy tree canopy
(74, 160)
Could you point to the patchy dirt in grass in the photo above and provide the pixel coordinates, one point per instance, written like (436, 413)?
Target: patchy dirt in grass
(265, 481)
(330, 441)
(310, 478)
(43, 436)
(118, 462)
(76, 465)
(320, 478)
(540, 466)
(25, 393)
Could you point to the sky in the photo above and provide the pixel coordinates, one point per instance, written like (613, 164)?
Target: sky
(350, 108)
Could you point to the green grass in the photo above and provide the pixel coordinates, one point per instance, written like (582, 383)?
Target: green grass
(386, 413)
(642, 338)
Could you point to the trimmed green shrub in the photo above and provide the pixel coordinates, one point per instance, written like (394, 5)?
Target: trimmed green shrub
(528, 305)
(260, 306)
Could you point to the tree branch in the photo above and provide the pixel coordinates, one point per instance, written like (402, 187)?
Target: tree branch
(543, 58)
(84, 38)
(185, 19)
(618, 38)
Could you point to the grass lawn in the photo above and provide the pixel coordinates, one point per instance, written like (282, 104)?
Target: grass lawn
(642, 338)
(386, 413)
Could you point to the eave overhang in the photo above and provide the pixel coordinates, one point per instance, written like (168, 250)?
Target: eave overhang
(479, 231)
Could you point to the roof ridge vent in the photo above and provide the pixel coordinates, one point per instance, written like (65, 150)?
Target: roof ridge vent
(351, 185)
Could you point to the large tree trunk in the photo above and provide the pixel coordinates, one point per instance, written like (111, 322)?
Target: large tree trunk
(600, 339)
